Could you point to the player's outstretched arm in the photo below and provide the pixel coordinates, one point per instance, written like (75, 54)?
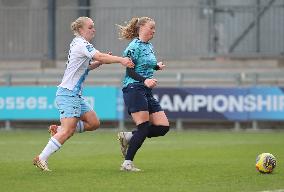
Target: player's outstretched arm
(150, 83)
(94, 64)
(108, 59)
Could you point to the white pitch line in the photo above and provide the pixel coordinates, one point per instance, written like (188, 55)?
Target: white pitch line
(277, 190)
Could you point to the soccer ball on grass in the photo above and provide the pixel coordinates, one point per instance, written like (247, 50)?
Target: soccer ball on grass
(265, 163)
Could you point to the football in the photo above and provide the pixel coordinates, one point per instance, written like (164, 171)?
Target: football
(265, 163)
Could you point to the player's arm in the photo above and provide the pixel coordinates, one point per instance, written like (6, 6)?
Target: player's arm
(136, 76)
(159, 66)
(96, 64)
(108, 59)
(94, 54)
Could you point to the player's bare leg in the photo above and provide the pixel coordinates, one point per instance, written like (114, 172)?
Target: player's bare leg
(55, 142)
(88, 122)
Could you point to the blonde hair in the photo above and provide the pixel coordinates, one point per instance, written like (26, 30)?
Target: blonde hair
(77, 24)
(131, 29)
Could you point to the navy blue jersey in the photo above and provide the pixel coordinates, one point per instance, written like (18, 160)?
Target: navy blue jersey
(143, 57)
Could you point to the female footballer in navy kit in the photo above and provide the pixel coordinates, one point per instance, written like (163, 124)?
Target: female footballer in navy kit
(146, 112)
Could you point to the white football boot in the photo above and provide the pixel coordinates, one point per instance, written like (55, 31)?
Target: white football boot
(129, 166)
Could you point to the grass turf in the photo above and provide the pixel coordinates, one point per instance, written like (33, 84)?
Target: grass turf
(180, 161)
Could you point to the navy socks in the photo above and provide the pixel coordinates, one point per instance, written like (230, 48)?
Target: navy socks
(157, 130)
(137, 140)
(144, 130)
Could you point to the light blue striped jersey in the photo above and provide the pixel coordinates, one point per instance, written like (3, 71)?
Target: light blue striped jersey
(80, 54)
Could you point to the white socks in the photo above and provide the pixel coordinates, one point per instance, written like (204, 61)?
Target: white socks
(52, 146)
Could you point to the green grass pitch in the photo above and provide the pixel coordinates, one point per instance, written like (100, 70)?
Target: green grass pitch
(181, 161)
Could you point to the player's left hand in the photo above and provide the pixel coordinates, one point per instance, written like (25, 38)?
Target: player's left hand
(127, 62)
(161, 65)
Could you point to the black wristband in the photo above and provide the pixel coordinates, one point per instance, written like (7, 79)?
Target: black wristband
(157, 67)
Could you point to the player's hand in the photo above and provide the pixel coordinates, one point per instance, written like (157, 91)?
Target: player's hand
(161, 65)
(94, 64)
(150, 83)
(127, 62)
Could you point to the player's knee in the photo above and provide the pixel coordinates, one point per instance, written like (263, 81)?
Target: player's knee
(95, 125)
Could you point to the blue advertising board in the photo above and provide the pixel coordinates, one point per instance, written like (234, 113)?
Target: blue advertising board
(242, 104)
(33, 102)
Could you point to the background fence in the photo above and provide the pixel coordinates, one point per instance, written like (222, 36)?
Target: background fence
(190, 34)
(185, 29)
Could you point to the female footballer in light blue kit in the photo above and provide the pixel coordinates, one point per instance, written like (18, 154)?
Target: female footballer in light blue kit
(75, 112)
(145, 110)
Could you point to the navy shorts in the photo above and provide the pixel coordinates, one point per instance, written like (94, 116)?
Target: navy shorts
(137, 97)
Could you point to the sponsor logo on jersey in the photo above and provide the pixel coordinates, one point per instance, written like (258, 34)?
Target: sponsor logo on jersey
(90, 48)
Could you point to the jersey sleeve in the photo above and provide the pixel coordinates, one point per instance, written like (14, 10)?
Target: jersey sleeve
(89, 50)
(132, 52)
